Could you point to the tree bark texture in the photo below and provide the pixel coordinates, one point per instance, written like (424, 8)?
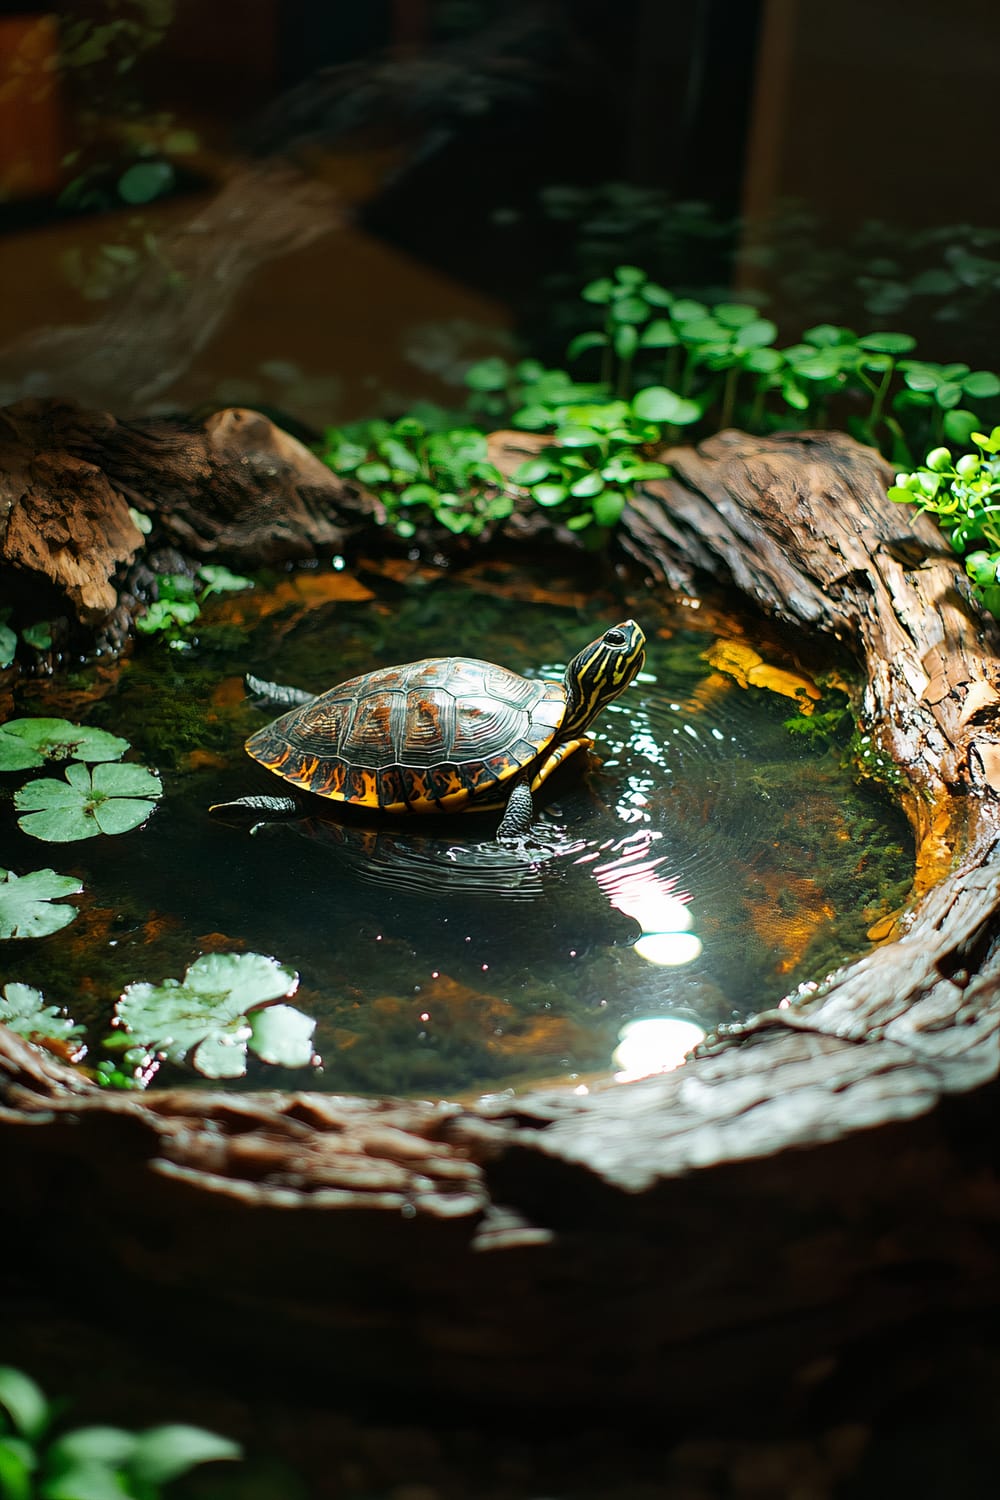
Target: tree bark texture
(827, 1171)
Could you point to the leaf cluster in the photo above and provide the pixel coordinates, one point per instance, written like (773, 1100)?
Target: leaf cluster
(113, 797)
(420, 474)
(37, 635)
(964, 496)
(180, 597)
(223, 1008)
(37, 1462)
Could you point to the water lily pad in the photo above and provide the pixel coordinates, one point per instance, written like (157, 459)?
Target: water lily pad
(25, 743)
(110, 799)
(25, 903)
(206, 1016)
(23, 1009)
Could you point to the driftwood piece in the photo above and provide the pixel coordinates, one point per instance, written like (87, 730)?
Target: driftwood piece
(746, 1220)
(234, 488)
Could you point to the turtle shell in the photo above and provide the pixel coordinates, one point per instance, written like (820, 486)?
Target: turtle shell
(430, 736)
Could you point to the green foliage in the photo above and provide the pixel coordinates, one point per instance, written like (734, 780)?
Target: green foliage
(23, 1009)
(90, 1463)
(593, 462)
(27, 743)
(221, 1009)
(964, 495)
(179, 599)
(37, 635)
(25, 903)
(113, 798)
(420, 474)
(664, 365)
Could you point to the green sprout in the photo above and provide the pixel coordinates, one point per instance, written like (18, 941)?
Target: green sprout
(964, 495)
(422, 475)
(180, 598)
(91, 1462)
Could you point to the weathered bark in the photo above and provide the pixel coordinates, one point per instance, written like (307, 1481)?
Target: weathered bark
(705, 1233)
(234, 488)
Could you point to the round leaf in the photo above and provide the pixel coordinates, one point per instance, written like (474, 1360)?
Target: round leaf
(283, 1035)
(959, 426)
(23, 1400)
(488, 375)
(981, 384)
(628, 310)
(585, 341)
(26, 743)
(24, 903)
(587, 486)
(888, 343)
(532, 470)
(659, 334)
(145, 181)
(756, 334)
(734, 314)
(626, 341)
(549, 494)
(655, 403)
(608, 507)
(599, 291)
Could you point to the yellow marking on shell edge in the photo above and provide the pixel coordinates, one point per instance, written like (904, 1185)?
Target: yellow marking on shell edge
(557, 755)
(368, 796)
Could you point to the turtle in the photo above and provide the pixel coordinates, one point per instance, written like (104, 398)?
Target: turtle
(442, 735)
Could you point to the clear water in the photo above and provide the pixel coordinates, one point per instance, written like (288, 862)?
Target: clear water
(708, 864)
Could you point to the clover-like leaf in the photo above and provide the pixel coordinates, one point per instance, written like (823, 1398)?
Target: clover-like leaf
(110, 799)
(23, 1009)
(205, 1017)
(25, 903)
(283, 1035)
(26, 743)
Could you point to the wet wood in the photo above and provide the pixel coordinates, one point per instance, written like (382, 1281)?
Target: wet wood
(821, 1174)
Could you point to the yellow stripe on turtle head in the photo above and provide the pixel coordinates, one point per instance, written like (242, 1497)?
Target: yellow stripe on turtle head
(600, 672)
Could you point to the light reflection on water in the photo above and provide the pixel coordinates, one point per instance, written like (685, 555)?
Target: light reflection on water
(687, 877)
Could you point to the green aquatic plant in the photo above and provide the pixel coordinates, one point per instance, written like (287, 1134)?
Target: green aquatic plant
(26, 909)
(180, 599)
(223, 1008)
(964, 496)
(27, 743)
(23, 1009)
(594, 460)
(113, 798)
(37, 635)
(421, 474)
(37, 1462)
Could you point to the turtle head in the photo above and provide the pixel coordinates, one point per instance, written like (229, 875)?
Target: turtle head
(600, 672)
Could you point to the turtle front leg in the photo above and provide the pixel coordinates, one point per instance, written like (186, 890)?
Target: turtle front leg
(520, 809)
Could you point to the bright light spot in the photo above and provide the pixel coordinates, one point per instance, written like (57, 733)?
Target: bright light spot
(656, 1045)
(425, 1015)
(669, 949)
(581, 1088)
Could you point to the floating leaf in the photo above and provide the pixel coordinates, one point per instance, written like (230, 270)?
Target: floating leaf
(206, 1014)
(23, 1009)
(283, 1035)
(25, 743)
(111, 799)
(25, 910)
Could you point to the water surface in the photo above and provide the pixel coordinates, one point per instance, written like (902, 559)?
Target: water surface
(707, 862)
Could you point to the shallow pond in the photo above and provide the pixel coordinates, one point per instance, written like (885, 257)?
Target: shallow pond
(709, 861)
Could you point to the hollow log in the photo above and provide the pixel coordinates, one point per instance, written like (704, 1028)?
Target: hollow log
(742, 1225)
